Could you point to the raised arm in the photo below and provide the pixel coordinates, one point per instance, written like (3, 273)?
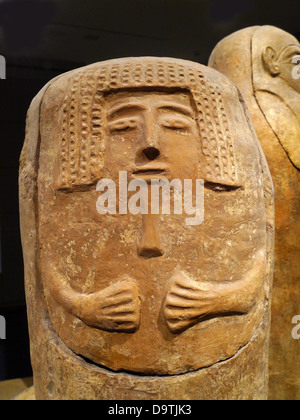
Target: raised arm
(189, 301)
(114, 309)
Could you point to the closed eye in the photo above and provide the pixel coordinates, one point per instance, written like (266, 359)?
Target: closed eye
(123, 124)
(176, 123)
(217, 187)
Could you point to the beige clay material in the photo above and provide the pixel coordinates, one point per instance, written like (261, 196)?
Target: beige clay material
(261, 62)
(144, 306)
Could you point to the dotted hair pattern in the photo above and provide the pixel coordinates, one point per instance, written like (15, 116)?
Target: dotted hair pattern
(83, 143)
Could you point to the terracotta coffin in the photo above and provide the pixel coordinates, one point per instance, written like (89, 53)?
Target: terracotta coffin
(145, 306)
(262, 62)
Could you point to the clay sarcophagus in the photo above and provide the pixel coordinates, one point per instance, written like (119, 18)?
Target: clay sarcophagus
(264, 63)
(146, 304)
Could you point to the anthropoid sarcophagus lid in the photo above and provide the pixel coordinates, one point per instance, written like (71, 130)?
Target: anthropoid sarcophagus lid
(139, 298)
(263, 62)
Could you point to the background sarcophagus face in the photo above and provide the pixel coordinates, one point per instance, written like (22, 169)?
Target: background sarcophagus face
(146, 294)
(262, 62)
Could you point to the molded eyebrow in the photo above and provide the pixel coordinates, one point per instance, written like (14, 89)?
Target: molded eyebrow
(120, 107)
(182, 109)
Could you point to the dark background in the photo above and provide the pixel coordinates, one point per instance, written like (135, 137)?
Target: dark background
(43, 38)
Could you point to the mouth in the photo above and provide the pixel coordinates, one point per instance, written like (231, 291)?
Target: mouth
(153, 172)
(149, 172)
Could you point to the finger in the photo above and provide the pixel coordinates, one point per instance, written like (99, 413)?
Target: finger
(128, 327)
(120, 327)
(183, 293)
(119, 298)
(121, 287)
(123, 311)
(127, 320)
(176, 314)
(126, 305)
(111, 305)
(180, 326)
(176, 301)
(116, 294)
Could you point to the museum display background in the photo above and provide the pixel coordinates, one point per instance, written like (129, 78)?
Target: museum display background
(42, 39)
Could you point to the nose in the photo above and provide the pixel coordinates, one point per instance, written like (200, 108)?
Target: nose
(151, 153)
(149, 148)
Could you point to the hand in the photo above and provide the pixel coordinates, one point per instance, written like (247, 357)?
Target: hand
(114, 309)
(187, 302)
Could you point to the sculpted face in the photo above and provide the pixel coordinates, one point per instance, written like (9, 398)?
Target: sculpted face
(259, 61)
(128, 291)
(276, 82)
(152, 135)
